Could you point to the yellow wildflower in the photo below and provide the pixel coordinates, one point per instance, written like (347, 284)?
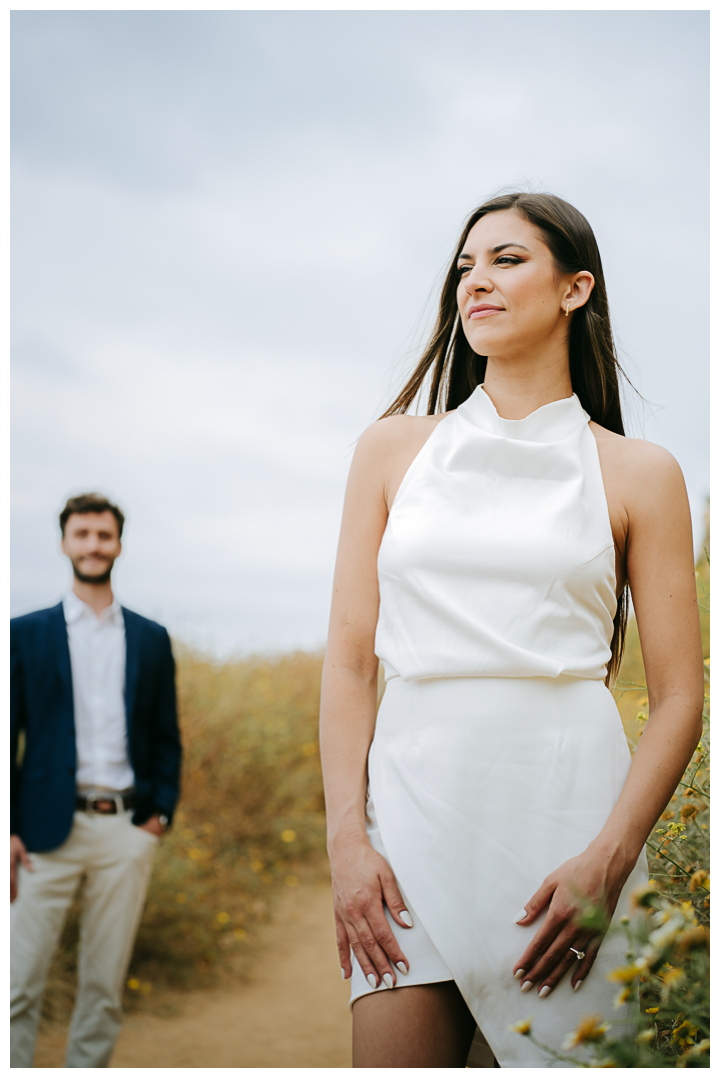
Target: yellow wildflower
(222, 917)
(700, 880)
(523, 1027)
(292, 881)
(646, 1036)
(671, 976)
(133, 984)
(674, 832)
(694, 938)
(240, 934)
(256, 866)
(665, 936)
(288, 835)
(684, 1033)
(630, 973)
(590, 1029)
(655, 1008)
(642, 896)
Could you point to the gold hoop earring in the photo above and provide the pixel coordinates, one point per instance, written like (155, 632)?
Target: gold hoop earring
(567, 309)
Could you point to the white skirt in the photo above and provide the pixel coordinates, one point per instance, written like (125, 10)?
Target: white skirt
(481, 787)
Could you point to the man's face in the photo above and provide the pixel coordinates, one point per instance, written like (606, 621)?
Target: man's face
(92, 544)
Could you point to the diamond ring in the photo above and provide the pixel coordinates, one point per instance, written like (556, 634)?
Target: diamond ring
(578, 953)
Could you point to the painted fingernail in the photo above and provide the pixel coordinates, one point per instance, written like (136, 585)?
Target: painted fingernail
(545, 991)
(372, 980)
(388, 980)
(406, 918)
(522, 914)
(525, 987)
(519, 973)
(402, 966)
(577, 985)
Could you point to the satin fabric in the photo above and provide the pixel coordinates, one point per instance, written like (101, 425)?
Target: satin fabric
(498, 556)
(498, 752)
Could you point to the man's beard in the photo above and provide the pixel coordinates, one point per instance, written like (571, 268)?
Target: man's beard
(93, 579)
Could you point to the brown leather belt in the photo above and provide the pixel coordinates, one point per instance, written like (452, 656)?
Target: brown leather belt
(105, 804)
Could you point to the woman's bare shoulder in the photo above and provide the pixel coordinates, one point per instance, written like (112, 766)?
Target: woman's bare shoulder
(643, 467)
(403, 424)
(388, 447)
(637, 453)
(398, 433)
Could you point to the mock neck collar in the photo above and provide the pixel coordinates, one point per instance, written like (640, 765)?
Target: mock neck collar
(550, 423)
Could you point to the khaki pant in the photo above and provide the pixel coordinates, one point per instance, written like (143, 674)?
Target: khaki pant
(115, 858)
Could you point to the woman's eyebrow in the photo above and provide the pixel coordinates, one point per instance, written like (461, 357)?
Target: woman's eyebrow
(495, 250)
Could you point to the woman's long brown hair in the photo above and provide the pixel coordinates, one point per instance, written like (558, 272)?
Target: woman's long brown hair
(454, 370)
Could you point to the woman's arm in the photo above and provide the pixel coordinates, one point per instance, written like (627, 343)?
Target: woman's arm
(362, 879)
(647, 484)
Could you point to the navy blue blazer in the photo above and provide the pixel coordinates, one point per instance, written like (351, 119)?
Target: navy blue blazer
(42, 788)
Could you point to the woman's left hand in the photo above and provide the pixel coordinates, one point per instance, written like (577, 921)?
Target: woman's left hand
(591, 876)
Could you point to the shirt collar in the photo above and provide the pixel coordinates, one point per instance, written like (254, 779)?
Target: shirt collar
(74, 609)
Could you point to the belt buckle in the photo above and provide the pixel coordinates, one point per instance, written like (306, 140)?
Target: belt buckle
(116, 800)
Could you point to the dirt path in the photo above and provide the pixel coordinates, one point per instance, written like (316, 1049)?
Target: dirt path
(292, 1011)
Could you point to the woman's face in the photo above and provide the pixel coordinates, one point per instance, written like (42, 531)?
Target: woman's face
(510, 295)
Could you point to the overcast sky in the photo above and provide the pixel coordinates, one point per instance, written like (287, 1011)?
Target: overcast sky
(228, 232)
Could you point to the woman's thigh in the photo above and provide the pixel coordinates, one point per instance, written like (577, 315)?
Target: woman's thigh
(412, 1027)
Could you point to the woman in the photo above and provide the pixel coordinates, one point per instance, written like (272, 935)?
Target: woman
(484, 557)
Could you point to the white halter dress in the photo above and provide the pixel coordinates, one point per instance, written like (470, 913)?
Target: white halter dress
(498, 751)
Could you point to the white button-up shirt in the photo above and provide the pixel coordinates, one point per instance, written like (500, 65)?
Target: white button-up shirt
(97, 659)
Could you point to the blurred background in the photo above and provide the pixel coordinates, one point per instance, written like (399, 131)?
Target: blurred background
(228, 233)
(228, 230)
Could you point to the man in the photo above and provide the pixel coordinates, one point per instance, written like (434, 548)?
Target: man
(93, 708)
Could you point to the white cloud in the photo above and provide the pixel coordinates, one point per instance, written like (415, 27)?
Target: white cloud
(227, 226)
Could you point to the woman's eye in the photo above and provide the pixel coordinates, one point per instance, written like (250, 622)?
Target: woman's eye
(510, 260)
(463, 270)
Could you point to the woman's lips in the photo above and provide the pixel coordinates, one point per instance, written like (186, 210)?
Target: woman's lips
(483, 311)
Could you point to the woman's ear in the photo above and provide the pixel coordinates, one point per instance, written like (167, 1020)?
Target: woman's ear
(581, 286)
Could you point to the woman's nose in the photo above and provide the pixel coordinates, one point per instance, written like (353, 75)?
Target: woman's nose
(476, 281)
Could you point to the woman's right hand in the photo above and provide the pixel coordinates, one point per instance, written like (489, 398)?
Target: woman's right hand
(362, 880)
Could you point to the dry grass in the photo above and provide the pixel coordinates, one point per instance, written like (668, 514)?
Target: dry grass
(251, 822)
